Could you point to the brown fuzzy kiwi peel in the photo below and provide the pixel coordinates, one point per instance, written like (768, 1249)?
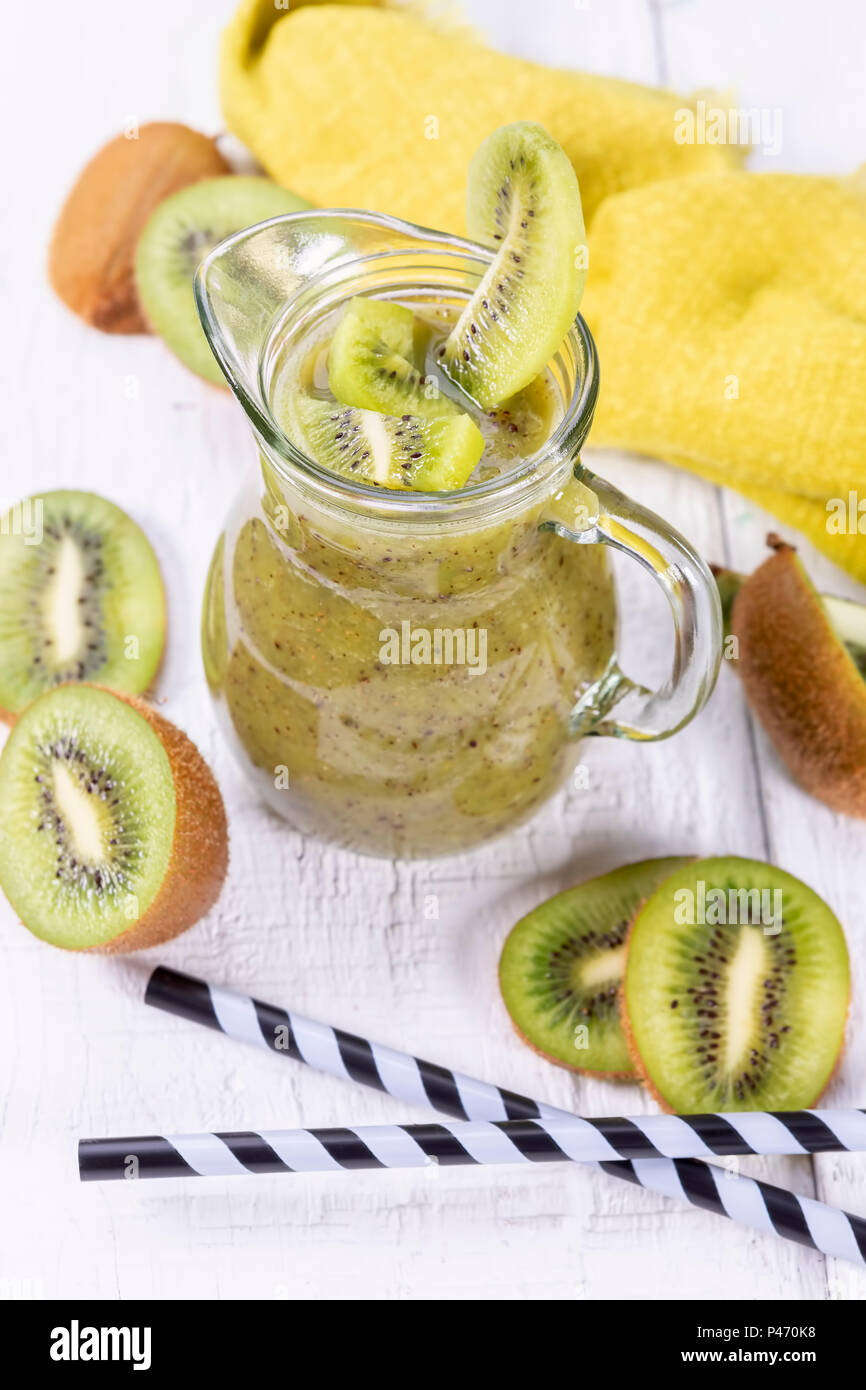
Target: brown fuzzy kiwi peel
(801, 681)
(199, 852)
(90, 260)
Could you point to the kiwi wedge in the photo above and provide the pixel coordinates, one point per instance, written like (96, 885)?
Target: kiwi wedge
(561, 969)
(736, 989)
(81, 599)
(371, 363)
(179, 234)
(390, 451)
(846, 616)
(523, 199)
(803, 681)
(112, 828)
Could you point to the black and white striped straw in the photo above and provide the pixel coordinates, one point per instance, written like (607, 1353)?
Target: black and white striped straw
(653, 1151)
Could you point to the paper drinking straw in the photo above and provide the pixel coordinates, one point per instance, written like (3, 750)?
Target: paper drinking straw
(746, 1200)
(410, 1079)
(565, 1138)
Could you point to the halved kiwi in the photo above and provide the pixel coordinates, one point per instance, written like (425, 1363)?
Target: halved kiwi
(736, 989)
(803, 682)
(523, 199)
(179, 234)
(112, 828)
(386, 450)
(371, 363)
(81, 598)
(561, 968)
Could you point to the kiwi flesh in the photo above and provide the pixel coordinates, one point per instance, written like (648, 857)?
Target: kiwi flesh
(392, 451)
(81, 599)
(802, 681)
(523, 200)
(561, 969)
(179, 234)
(847, 618)
(370, 363)
(736, 989)
(112, 828)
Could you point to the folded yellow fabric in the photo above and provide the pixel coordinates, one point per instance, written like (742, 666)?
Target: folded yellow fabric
(730, 316)
(729, 308)
(366, 105)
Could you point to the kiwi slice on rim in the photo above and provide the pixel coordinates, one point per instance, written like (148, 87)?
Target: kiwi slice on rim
(390, 451)
(112, 828)
(523, 199)
(736, 989)
(370, 363)
(81, 598)
(179, 234)
(561, 968)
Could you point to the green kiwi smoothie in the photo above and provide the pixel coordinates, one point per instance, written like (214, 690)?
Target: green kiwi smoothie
(406, 690)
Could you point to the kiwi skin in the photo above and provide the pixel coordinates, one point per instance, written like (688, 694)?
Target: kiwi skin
(199, 852)
(801, 682)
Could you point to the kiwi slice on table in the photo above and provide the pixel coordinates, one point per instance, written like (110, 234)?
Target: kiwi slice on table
(390, 451)
(371, 363)
(561, 968)
(112, 828)
(736, 989)
(179, 234)
(81, 598)
(523, 199)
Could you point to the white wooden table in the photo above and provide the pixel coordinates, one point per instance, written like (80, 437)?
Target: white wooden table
(337, 936)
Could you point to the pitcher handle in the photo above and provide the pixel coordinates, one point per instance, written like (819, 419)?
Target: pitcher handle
(694, 600)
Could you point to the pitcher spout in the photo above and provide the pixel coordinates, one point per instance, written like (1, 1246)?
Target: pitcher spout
(251, 282)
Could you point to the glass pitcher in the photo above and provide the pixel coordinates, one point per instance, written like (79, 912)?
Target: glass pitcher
(409, 674)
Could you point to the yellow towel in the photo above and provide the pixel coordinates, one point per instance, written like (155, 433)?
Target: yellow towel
(729, 308)
(367, 106)
(730, 316)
